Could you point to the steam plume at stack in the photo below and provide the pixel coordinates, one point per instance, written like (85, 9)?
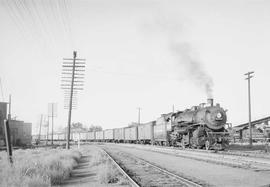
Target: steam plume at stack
(183, 51)
(170, 28)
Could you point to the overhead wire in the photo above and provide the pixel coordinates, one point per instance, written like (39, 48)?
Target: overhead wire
(63, 21)
(67, 11)
(34, 24)
(54, 21)
(32, 19)
(45, 21)
(15, 18)
(102, 70)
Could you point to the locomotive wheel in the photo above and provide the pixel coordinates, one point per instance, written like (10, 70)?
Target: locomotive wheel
(207, 145)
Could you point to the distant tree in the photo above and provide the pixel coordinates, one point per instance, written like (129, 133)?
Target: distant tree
(77, 125)
(133, 124)
(95, 128)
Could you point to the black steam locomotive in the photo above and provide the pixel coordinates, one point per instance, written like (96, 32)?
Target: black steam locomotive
(201, 126)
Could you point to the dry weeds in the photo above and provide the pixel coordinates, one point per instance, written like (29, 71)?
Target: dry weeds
(40, 167)
(107, 173)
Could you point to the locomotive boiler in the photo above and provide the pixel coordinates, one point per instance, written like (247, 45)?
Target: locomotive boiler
(200, 126)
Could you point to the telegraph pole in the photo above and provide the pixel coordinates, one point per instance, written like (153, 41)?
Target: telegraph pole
(5, 123)
(9, 108)
(52, 113)
(72, 81)
(40, 124)
(139, 115)
(47, 139)
(52, 122)
(249, 76)
(7, 132)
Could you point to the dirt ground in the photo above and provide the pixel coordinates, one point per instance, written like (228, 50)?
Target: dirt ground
(217, 175)
(95, 170)
(143, 173)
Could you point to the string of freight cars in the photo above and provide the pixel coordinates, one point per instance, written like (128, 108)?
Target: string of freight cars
(201, 126)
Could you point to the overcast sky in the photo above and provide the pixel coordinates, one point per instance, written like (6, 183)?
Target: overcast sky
(140, 53)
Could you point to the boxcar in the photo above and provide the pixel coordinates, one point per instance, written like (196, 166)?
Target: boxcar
(49, 137)
(119, 135)
(99, 135)
(131, 134)
(108, 135)
(61, 136)
(146, 133)
(162, 129)
(71, 136)
(55, 136)
(91, 136)
(76, 136)
(83, 136)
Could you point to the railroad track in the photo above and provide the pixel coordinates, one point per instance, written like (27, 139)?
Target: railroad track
(131, 181)
(179, 180)
(257, 164)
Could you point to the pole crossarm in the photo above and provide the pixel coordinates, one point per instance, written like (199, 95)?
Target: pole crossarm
(70, 71)
(72, 59)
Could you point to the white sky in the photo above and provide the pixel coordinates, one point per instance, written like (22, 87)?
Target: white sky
(130, 62)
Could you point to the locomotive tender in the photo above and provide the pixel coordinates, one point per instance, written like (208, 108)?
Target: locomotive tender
(201, 126)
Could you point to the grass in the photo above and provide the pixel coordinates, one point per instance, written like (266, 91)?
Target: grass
(39, 167)
(107, 173)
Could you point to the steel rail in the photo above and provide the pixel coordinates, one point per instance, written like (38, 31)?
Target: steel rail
(132, 182)
(182, 179)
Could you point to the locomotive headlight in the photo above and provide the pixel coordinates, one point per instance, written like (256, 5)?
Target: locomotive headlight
(219, 115)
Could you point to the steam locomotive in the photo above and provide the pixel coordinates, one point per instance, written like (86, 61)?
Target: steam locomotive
(201, 126)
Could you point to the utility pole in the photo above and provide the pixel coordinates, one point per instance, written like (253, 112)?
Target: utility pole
(139, 115)
(40, 124)
(249, 76)
(173, 108)
(47, 139)
(72, 82)
(52, 113)
(7, 132)
(9, 108)
(52, 124)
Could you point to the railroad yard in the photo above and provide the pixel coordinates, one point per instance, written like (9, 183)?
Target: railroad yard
(134, 93)
(141, 165)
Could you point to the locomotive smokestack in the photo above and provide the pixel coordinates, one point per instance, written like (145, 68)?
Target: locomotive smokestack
(210, 101)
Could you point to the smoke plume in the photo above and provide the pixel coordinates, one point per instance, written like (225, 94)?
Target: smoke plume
(170, 28)
(194, 70)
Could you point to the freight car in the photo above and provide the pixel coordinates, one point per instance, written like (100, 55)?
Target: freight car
(91, 136)
(131, 134)
(201, 126)
(109, 135)
(99, 136)
(119, 135)
(162, 130)
(146, 133)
